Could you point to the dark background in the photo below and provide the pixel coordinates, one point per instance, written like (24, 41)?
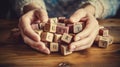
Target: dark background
(7, 12)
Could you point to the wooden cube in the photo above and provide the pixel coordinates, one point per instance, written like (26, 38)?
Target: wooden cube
(101, 27)
(39, 32)
(104, 32)
(70, 27)
(47, 37)
(61, 19)
(53, 20)
(57, 38)
(111, 39)
(77, 27)
(62, 29)
(65, 50)
(50, 27)
(66, 38)
(54, 47)
(60, 24)
(103, 42)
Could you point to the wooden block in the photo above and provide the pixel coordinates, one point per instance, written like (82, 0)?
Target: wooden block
(104, 32)
(50, 27)
(39, 32)
(103, 42)
(62, 29)
(60, 24)
(111, 39)
(54, 47)
(53, 20)
(57, 38)
(70, 27)
(61, 19)
(77, 27)
(47, 37)
(66, 38)
(101, 27)
(65, 50)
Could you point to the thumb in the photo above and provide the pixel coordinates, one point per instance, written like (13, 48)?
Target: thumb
(78, 15)
(41, 14)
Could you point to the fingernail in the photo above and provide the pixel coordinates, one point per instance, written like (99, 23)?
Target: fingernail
(77, 38)
(46, 51)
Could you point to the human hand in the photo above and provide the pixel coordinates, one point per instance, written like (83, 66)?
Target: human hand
(29, 36)
(85, 38)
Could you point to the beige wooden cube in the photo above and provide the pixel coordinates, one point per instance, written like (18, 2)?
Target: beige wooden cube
(39, 32)
(54, 47)
(57, 38)
(53, 20)
(103, 42)
(77, 27)
(66, 38)
(60, 24)
(62, 29)
(61, 19)
(65, 50)
(47, 37)
(50, 27)
(104, 32)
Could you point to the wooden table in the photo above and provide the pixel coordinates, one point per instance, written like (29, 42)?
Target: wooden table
(16, 54)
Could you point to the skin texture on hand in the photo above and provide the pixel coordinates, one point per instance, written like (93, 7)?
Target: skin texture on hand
(29, 36)
(85, 38)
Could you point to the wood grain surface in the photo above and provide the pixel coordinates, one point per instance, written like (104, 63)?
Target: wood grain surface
(14, 53)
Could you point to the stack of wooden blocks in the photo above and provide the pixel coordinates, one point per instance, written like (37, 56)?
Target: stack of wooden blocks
(104, 39)
(57, 34)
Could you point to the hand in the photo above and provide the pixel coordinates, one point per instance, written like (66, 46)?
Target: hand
(85, 38)
(29, 36)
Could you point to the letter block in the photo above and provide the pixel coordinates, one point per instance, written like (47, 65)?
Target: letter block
(57, 38)
(104, 32)
(66, 38)
(53, 20)
(77, 27)
(103, 42)
(39, 32)
(62, 29)
(50, 27)
(65, 50)
(47, 37)
(54, 47)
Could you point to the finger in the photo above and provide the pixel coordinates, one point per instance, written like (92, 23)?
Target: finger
(88, 29)
(42, 15)
(78, 15)
(91, 38)
(28, 31)
(40, 46)
(25, 25)
(41, 49)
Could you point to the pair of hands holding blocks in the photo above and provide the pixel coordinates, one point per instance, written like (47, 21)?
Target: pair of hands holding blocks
(58, 34)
